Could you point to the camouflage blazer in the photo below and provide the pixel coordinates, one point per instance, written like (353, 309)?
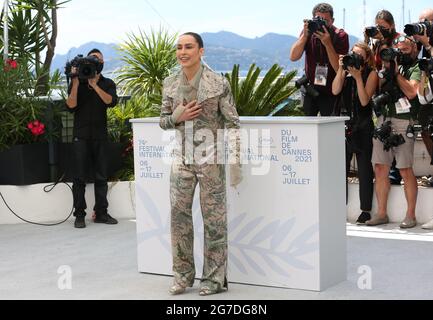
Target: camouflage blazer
(218, 108)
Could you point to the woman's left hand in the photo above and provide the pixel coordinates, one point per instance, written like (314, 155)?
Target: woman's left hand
(356, 73)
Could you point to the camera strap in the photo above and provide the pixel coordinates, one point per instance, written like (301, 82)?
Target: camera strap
(322, 68)
(319, 48)
(404, 102)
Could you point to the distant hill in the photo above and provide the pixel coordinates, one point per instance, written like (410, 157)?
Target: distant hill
(223, 50)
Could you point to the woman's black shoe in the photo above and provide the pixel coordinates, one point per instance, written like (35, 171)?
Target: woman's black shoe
(363, 218)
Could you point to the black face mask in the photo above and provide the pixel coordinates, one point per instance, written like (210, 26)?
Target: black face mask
(100, 67)
(406, 60)
(387, 34)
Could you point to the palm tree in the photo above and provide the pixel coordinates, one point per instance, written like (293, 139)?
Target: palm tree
(32, 31)
(261, 99)
(149, 59)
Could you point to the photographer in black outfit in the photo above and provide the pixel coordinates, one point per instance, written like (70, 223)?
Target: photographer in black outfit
(322, 43)
(357, 81)
(90, 94)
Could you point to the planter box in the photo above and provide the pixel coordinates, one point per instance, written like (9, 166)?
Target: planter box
(24, 164)
(66, 164)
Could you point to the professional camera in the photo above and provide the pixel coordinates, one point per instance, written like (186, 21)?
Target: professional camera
(353, 60)
(389, 54)
(381, 100)
(413, 129)
(87, 67)
(305, 84)
(389, 93)
(316, 24)
(426, 65)
(385, 135)
(419, 28)
(371, 31)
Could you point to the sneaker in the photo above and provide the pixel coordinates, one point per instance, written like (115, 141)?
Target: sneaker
(376, 221)
(80, 222)
(408, 223)
(428, 225)
(105, 218)
(363, 217)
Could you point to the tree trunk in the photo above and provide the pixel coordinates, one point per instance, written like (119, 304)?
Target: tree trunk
(42, 85)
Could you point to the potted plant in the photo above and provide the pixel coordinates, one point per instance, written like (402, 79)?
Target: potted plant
(23, 150)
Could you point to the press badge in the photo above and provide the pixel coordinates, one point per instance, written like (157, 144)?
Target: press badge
(403, 106)
(321, 75)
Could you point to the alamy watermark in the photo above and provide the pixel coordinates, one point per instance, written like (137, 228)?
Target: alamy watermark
(64, 282)
(230, 146)
(365, 281)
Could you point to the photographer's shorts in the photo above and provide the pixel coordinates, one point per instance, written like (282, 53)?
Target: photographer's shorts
(404, 154)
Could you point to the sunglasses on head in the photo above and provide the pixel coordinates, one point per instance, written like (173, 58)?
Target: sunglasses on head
(401, 39)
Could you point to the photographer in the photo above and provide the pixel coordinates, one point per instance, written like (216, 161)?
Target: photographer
(322, 43)
(425, 95)
(399, 108)
(381, 35)
(426, 40)
(357, 81)
(90, 94)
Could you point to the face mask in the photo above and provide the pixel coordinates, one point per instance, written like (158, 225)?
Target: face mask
(387, 34)
(100, 67)
(405, 59)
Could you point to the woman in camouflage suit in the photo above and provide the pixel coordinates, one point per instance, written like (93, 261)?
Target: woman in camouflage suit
(197, 100)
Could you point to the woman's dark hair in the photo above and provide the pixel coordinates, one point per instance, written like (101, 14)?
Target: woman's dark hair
(386, 16)
(197, 38)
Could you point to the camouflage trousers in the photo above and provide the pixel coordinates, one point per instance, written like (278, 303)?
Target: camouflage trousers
(212, 181)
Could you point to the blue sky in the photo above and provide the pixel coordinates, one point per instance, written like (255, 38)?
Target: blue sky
(108, 21)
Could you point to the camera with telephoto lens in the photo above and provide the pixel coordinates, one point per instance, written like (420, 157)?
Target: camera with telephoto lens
(371, 31)
(385, 135)
(87, 67)
(353, 60)
(316, 24)
(426, 65)
(419, 28)
(305, 84)
(389, 54)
